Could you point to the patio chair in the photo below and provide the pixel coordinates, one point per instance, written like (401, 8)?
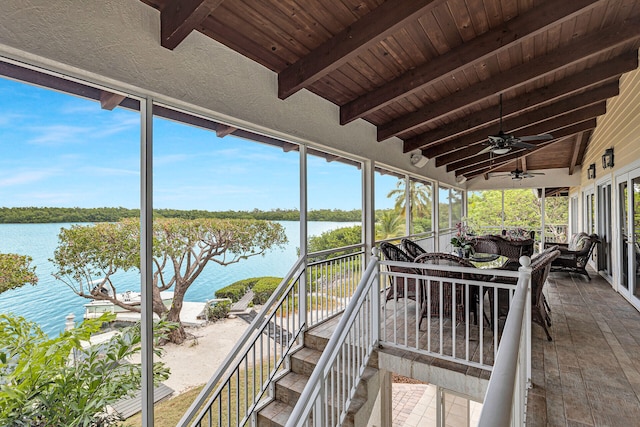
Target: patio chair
(412, 248)
(432, 307)
(396, 283)
(575, 255)
(540, 268)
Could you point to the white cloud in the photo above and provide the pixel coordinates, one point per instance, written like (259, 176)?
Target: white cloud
(26, 177)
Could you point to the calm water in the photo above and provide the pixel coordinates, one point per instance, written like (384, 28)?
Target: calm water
(50, 301)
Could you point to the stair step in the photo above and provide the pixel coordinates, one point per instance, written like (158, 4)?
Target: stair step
(290, 387)
(305, 360)
(275, 414)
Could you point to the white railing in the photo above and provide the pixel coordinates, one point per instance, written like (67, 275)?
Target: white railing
(308, 295)
(454, 320)
(328, 393)
(505, 400)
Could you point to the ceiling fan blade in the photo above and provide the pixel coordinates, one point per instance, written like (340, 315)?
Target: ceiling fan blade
(541, 137)
(486, 149)
(520, 144)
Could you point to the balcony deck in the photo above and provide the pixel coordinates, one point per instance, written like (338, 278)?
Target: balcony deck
(590, 374)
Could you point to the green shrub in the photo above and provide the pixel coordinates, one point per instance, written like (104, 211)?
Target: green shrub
(236, 290)
(218, 311)
(263, 289)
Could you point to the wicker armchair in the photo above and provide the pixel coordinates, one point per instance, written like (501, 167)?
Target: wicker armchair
(513, 249)
(412, 248)
(397, 284)
(574, 256)
(540, 268)
(432, 308)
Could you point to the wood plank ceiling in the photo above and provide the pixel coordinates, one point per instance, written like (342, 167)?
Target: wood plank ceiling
(430, 72)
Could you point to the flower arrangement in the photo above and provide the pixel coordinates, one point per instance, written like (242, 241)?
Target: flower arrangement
(463, 238)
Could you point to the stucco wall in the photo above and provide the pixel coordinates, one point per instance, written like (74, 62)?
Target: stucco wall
(115, 42)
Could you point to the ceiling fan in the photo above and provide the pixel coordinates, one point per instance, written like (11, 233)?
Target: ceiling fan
(502, 142)
(518, 174)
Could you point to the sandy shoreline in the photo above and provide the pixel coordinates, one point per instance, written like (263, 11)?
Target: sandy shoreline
(196, 360)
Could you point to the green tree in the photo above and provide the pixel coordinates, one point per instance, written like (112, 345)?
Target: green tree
(390, 225)
(16, 271)
(181, 250)
(343, 236)
(420, 197)
(58, 381)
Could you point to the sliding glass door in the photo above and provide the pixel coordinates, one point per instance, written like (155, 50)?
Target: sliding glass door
(628, 188)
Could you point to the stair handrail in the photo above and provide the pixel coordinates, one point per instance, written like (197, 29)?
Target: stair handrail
(308, 397)
(504, 401)
(257, 324)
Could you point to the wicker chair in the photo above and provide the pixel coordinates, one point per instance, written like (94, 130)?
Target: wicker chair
(433, 306)
(540, 268)
(485, 246)
(575, 255)
(397, 284)
(412, 249)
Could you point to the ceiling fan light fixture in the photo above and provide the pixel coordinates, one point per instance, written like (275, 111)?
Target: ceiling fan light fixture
(500, 151)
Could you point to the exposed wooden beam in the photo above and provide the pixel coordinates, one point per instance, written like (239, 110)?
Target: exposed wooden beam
(495, 162)
(224, 130)
(287, 147)
(523, 160)
(110, 100)
(577, 142)
(490, 43)
(580, 49)
(370, 29)
(557, 121)
(590, 77)
(179, 17)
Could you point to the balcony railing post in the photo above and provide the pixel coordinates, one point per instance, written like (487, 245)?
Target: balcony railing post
(375, 300)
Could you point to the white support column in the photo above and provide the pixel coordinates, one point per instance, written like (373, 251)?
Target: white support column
(542, 222)
(368, 209)
(146, 254)
(435, 223)
(304, 238)
(407, 205)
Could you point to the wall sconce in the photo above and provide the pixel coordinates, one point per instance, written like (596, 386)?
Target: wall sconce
(591, 172)
(607, 158)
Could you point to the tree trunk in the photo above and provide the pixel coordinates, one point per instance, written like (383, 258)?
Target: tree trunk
(178, 335)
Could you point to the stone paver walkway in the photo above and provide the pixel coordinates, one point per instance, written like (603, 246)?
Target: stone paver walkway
(414, 405)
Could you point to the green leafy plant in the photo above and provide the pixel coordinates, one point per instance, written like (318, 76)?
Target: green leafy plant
(263, 289)
(61, 382)
(16, 271)
(218, 311)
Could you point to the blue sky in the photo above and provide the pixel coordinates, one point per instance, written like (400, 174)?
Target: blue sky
(61, 150)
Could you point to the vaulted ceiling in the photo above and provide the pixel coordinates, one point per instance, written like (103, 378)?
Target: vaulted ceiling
(430, 72)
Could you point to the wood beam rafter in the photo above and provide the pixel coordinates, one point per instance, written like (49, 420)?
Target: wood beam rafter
(495, 41)
(586, 79)
(580, 49)
(472, 153)
(179, 17)
(577, 142)
(110, 100)
(224, 130)
(370, 29)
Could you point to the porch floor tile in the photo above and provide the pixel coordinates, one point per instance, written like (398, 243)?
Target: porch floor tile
(589, 375)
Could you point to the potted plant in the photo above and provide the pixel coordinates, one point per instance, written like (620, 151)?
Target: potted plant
(462, 241)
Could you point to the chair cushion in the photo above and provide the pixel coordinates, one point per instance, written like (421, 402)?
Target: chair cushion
(517, 235)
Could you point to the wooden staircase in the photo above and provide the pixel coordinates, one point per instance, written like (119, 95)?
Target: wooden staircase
(303, 361)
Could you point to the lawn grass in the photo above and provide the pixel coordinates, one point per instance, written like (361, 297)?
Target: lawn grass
(168, 412)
